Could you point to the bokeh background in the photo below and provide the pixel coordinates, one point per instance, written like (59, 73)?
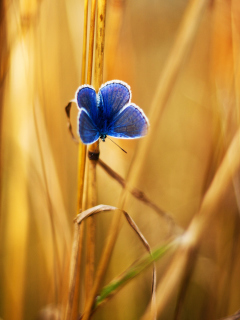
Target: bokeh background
(41, 54)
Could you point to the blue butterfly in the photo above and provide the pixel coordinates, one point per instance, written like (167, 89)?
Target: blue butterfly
(109, 112)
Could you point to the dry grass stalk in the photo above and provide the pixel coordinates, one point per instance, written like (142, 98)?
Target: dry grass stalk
(90, 229)
(74, 281)
(87, 190)
(16, 228)
(74, 273)
(84, 56)
(178, 55)
(91, 180)
(103, 262)
(94, 149)
(236, 316)
(102, 267)
(3, 71)
(138, 194)
(91, 177)
(100, 208)
(225, 70)
(100, 38)
(115, 14)
(72, 309)
(91, 42)
(193, 237)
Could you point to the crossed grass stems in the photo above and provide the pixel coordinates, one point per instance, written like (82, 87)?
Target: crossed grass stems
(187, 245)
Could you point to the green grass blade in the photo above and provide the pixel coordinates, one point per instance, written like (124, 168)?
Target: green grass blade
(116, 284)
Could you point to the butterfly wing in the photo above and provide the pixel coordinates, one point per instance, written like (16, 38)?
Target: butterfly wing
(109, 113)
(86, 128)
(113, 96)
(129, 123)
(86, 98)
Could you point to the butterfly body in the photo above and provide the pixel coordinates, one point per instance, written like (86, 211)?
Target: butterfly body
(109, 112)
(103, 137)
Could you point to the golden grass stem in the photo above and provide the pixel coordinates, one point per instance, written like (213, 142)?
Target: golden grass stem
(74, 285)
(91, 178)
(138, 194)
(191, 240)
(91, 42)
(94, 148)
(84, 56)
(100, 37)
(4, 61)
(72, 306)
(102, 267)
(166, 82)
(116, 11)
(81, 171)
(91, 229)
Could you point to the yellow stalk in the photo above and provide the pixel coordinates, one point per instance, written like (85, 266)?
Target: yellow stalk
(84, 56)
(192, 238)
(91, 42)
(72, 309)
(94, 150)
(91, 229)
(91, 178)
(4, 61)
(166, 82)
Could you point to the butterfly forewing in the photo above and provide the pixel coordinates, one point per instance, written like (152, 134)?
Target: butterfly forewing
(86, 98)
(114, 95)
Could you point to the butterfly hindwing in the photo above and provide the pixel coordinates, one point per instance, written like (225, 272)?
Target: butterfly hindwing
(114, 95)
(86, 128)
(129, 123)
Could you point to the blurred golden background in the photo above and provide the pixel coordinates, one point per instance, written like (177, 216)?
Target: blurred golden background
(41, 54)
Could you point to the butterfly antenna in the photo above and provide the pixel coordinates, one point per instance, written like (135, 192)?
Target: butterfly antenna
(117, 145)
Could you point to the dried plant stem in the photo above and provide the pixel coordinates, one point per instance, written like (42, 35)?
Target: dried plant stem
(236, 316)
(91, 42)
(116, 11)
(166, 82)
(91, 229)
(3, 71)
(94, 148)
(84, 56)
(72, 310)
(103, 264)
(136, 268)
(74, 284)
(192, 238)
(81, 172)
(138, 194)
(91, 180)
(100, 38)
